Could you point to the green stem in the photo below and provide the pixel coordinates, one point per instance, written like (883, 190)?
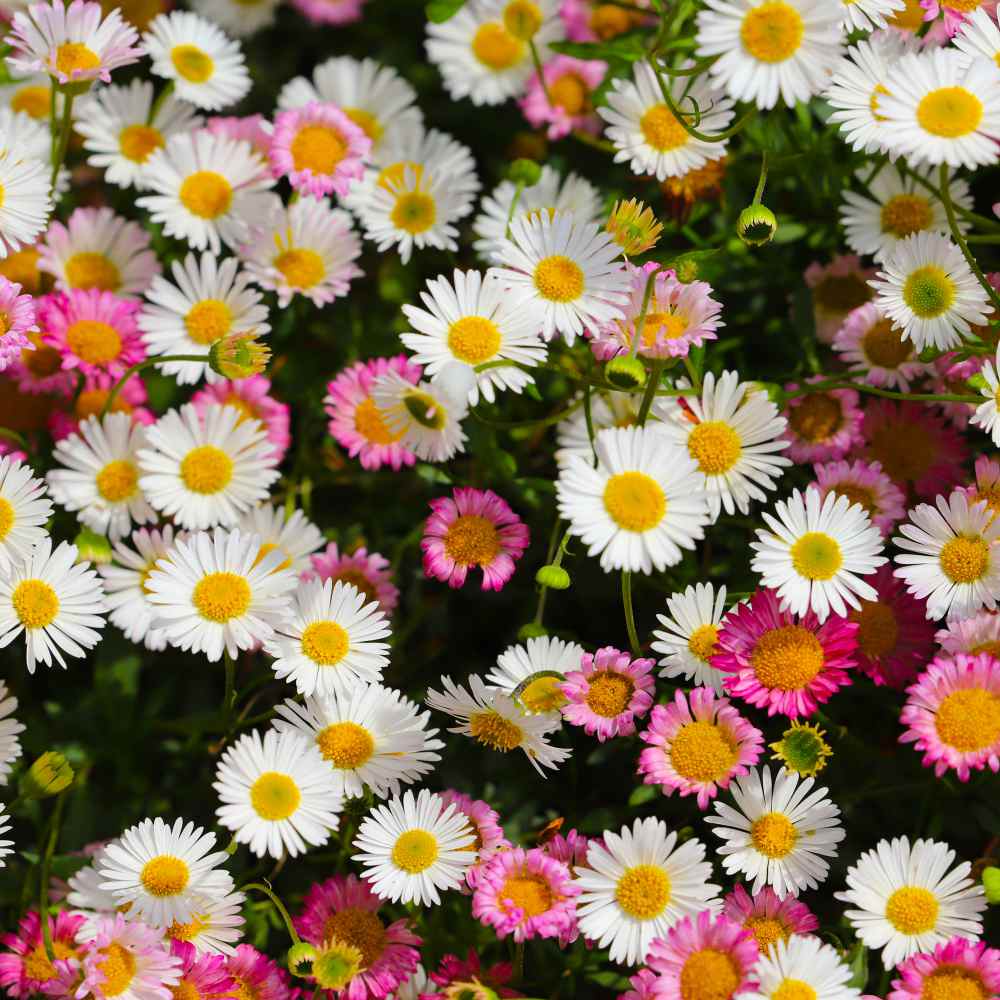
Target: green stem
(633, 637)
(154, 108)
(63, 144)
(510, 218)
(651, 385)
(9, 435)
(43, 898)
(640, 323)
(588, 416)
(683, 122)
(142, 366)
(229, 697)
(762, 180)
(915, 397)
(536, 59)
(995, 238)
(271, 895)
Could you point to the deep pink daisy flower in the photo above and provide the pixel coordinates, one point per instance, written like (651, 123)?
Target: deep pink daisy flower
(526, 894)
(895, 639)
(643, 985)
(453, 969)
(822, 426)
(954, 969)
(955, 14)
(203, 975)
(565, 102)
(570, 848)
(779, 661)
(17, 320)
(838, 288)
(978, 634)
(90, 402)
(95, 331)
(608, 693)
(330, 11)
(251, 396)
(357, 424)
(318, 148)
(256, 975)
(596, 21)
(368, 571)
(473, 529)
(344, 907)
(38, 370)
(767, 916)
(952, 714)
(697, 745)
(255, 129)
(866, 484)
(703, 956)
(485, 821)
(25, 968)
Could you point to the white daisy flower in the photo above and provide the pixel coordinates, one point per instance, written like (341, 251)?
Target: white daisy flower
(897, 206)
(26, 205)
(570, 269)
(469, 321)
(31, 94)
(307, 248)
(647, 134)
(165, 873)
(98, 477)
(206, 472)
(330, 638)
(927, 288)
(206, 67)
(780, 831)
(237, 16)
(293, 535)
(369, 735)
(24, 511)
(816, 552)
(531, 673)
(770, 47)
(10, 745)
(986, 415)
(55, 601)
(86, 895)
(120, 128)
(607, 409)
(30, 139)
(6, 846)
(801, 966)
(978, 36)
(640, 507)
(950, 556)
(943, 107)
(208, 189)
(215, 928)
(690, 635)
(209, 299)
(277, 794)
(425, 418)
(215, 592)
(863, 15)
(414, 847)
(909, 898)
(638, 885)
(497, 721)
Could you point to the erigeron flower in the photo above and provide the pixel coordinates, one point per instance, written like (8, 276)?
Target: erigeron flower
(767, 916)
(954, 965)
(979, 36)
(485, 823)
(864, 484)
(986, 415)
(607, 693)
(424, 418)
(821, 425)
(368, 572)
(838, 288)
(690, 635)
(802, 963)
(240, 19)
(25, 969)
(531, 673)
(127, 959)
(17, 323)
(24, 511)
(978, 634)
(874, 348)
(201, 975)
(215, 927)
(608, 408)
(256, 974)
(292, 535)
(251, 396)
(26, 204)
(10, 745)
(562, 98)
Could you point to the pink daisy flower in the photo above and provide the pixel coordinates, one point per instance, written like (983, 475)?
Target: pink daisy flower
(251, 396)
(17, 320)
(608, 693)
(127, 955)
(955, 968)
(951, 376)
(778, 661)
(895, 639)
(570, 83)
(330, 11)
(90, 402)
(679, 316)
(872, 347)
(597, 21)
(822, 425)
(697, 745)
(866, 484)
(955, 14)
(457, 970)
(256, 975)
(368, 571)
(704, 956)
(203, 975)
(527, 894)
(485, 821)
(255, 129)
(473, 528)
(570, 848)
(978, 634)
(318, 148)
(952, 714)
(357, 424)
(25, 968)
(643, 985)
(39, 371)
(344, 907)
(987, 486)
(838, 288)
(768, 917)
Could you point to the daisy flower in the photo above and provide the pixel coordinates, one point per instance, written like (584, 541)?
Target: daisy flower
(608, 408)
(526, 894)
(949, 556)
(17, 320)
(608, 693)
(648, 136)
(204, 472)
(986, 415)
(780, 831)
(863, 15)
(10, 745)
(485, 823)
(871, 346)
(329, 639)
(207, 189)
(639, 882)
(952, 715)
(251, 397)
(24, 511)
(978, 634)
(821, 425)
(308, 249)
(733, 433)
(493, 719)
(207, 300)
(531, 673)
(56, 601)
(864, 484)
(567, 268)
(217, 592)
(238, 18)
(345, 908)
(39, 370)
(690, 635)
(202, 975)
(816, 553)
(473, 529)
(837, 288)
(92, 399)
(255, 129)
(776, 660)
(697, 746)
(256, 974)
(127, 959)
(422, 417)
(74, 44)
(802, 963)
(954, 965)
(368, 572)
(640, 507)
(6, 846)
(98, 475)
(768, 917)
(26, 201)
(413, 847)
(979, 36)
(215, 927)
(164, 872)
(370, 736)
(293, 535)
(570, 84)
(909, 898)
(770, 47)
(276, 794)
(25, 969)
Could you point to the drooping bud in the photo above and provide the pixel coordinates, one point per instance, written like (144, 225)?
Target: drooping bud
(626, 372)
(300, 959)
(531, 631)
(756, 225)
(553, 577)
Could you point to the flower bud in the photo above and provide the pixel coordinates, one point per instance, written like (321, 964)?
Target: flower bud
(991, 883)
(300, 959)
(977, 382)
(633, 227)
(686, 270)
(238, 356)
(553, 577)
(756, 225)
(471, 990)
(336, 964)
(92, 547)
(626, 372)
(49, 775)
(531, 631)
(527, 173)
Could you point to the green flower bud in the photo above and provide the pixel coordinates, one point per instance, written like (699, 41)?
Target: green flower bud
(991, 883)
(756, 225)
(92, 547)
(527, 173)
(686, 270)
(977, 382)
(300, 959)
(531, 631)
(553, 577)
(49, 775)
(239, 355)
(626, 372)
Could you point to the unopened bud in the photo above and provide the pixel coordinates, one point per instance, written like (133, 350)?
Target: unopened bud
(527, 173)
(991, 883)
(977, 382)
(300, 959)
(553, 577)
(626, 372)
(49, 775)
(756, 225)
(238, 356)
(92, 547)
(531, 631)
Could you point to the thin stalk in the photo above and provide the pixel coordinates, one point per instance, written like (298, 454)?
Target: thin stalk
(647, 397)
(43, 897)
(640, 323)
(633, 637)
(761, 181)
(588, 416)
(271, 895)
(229, 696)
(956, 233)
(916, 397)
(142, 366)
(536, 59)
(510, 218)
(63, 144)
(683, 122)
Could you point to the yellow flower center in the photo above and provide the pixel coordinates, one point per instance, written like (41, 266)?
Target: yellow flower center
(709, 974)
(496, 48)
(395, 174)
(794, 989)
(274, 796)
(473, 339)
(360, 929)
(365, 121)
(117, 481)
(494, 731)
(929, 292)
(301, 268)
(472, 541)
(668, 325)
(138, 142)
(702, 642)
(92, 270)
(522, 19)
(767, 931)
(950, 112)
(188, 931)
(774, 835)
(414, 212)
(912, 910)
(220, 597)
(206, 469)
(32, 100)
(326, 643)
(863, 496)
(906, 214)
(841, 292)
(965, 560)
(570, 93)
(92, 341)
(528, 893)
(634, 501)
(558, 279)
(543, 695)
(35, 603)
(346, 745)
(643, 891)
(787, 658)
(772, 31)
(43, 361)
(609, 694)
(206, 194)
(118, 969)
(878, 91)
(910, 18)
(991, 646)
(952, 982)
(164, 876)
(72, 57)
(878, 629)
(817, 417)
(318, 148)
(884, 346)
(415, 851)
(969, 720)
(715, 446)
(817, 556)
(661, 129)
(191, 63)
(7, 517)
(185, 990)
(37, 965)
(369, 424)
(702, 751)
(208, 321)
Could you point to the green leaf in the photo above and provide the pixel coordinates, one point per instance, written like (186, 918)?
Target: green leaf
(629, 47)
(642, 794)
(857, 961)
(440, 11)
